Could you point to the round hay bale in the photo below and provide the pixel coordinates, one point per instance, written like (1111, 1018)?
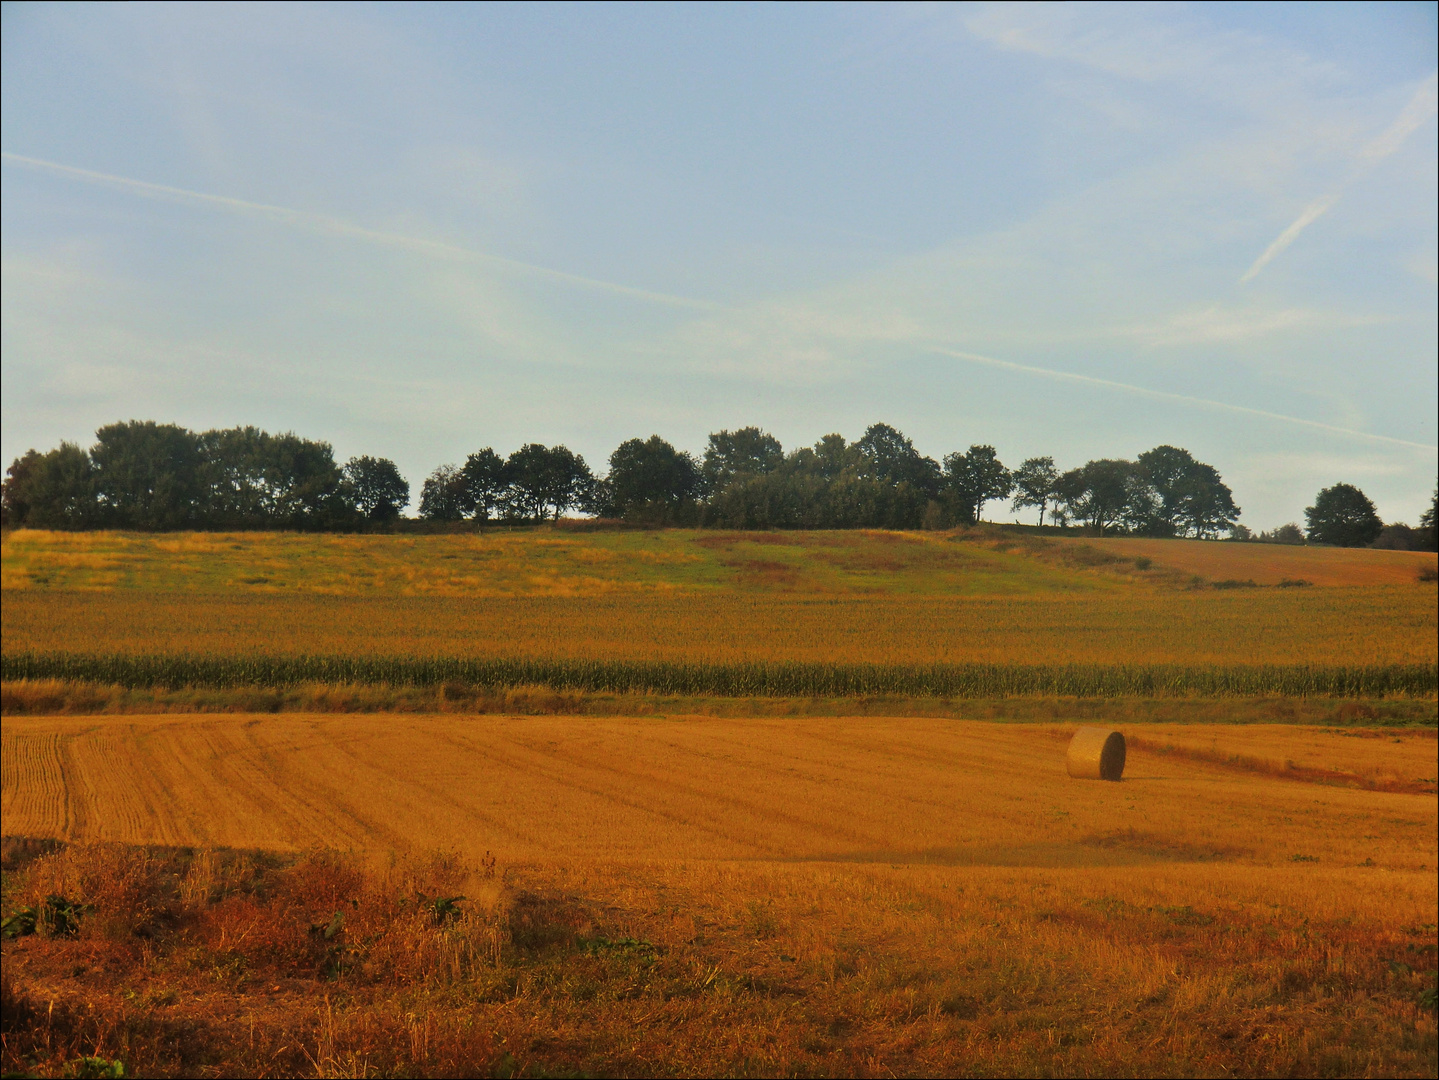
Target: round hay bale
(1095, 753)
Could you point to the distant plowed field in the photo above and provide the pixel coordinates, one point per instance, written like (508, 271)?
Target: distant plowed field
(853, 790)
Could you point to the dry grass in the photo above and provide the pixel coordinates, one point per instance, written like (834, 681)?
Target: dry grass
(727, 899)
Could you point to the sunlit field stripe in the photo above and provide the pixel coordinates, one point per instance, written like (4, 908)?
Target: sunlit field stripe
(786, 679)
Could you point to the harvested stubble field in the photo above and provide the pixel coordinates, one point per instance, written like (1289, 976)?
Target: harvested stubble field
(697, 895)
(830, 894)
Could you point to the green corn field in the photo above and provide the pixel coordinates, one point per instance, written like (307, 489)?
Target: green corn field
(781, 679)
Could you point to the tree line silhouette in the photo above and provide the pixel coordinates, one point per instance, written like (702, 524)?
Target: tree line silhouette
(150, 476)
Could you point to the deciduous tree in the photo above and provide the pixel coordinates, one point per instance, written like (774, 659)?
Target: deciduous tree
(1101, 492)
(444, 495)
(376, 488)
(487, 483)
(651, 481)
(1342, 515)
(1034, 483)
(746, 452)
(974, 478)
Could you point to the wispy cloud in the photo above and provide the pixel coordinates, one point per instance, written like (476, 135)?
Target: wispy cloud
(1217, 323)
(333, 226)
(1418, 110)
(1165, 395)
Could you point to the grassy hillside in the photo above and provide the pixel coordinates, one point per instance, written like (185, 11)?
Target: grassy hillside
(695, 612)
(558, 562)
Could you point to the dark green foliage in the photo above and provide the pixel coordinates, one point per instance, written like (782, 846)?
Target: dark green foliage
(1192, 499)
(751, 679)
(55, 917)
(486, 483)
(653, 483)
(973, 478)
(52, 491)
(250, 479)
(444, 908)
(1285, 534)
(96, 1068)
(833, 485)
(1034, 484)
(375, 488)
(744, 453)
(1105, 493)
(444, 496)
(1428, 532)
(147, 475)
(886, 455)
(545, 480)
(1342, 515)
(143, 475)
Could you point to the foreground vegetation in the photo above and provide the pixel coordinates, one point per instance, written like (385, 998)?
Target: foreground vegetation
(622, 897)
(734, 970)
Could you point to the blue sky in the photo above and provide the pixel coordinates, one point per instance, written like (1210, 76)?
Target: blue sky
(418, 230)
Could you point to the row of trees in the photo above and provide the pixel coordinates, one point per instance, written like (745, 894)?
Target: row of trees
(144, 475)
(745, 480)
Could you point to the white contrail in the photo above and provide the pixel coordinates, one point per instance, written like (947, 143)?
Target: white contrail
(1421, 106)
(334, 226)
(1310, 214)
(1165, 395)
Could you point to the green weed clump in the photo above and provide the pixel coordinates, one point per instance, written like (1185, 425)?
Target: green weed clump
(736, 679)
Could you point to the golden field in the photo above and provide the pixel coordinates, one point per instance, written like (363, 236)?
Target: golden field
(556, 789)
(453, 878)
(856, 896)
(1270, 564)
(885, 598)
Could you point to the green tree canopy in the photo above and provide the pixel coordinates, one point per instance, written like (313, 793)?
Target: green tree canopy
(746, 452)
(1034, 483)
(1103, 493)
(375, 488)
(147, 475)
(487, 483)
(651, 481)
(1342, 515)
(887, 455)
(546, 479)
(1191, 496)
(444, 496)
(54, 490)
(974, 478)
